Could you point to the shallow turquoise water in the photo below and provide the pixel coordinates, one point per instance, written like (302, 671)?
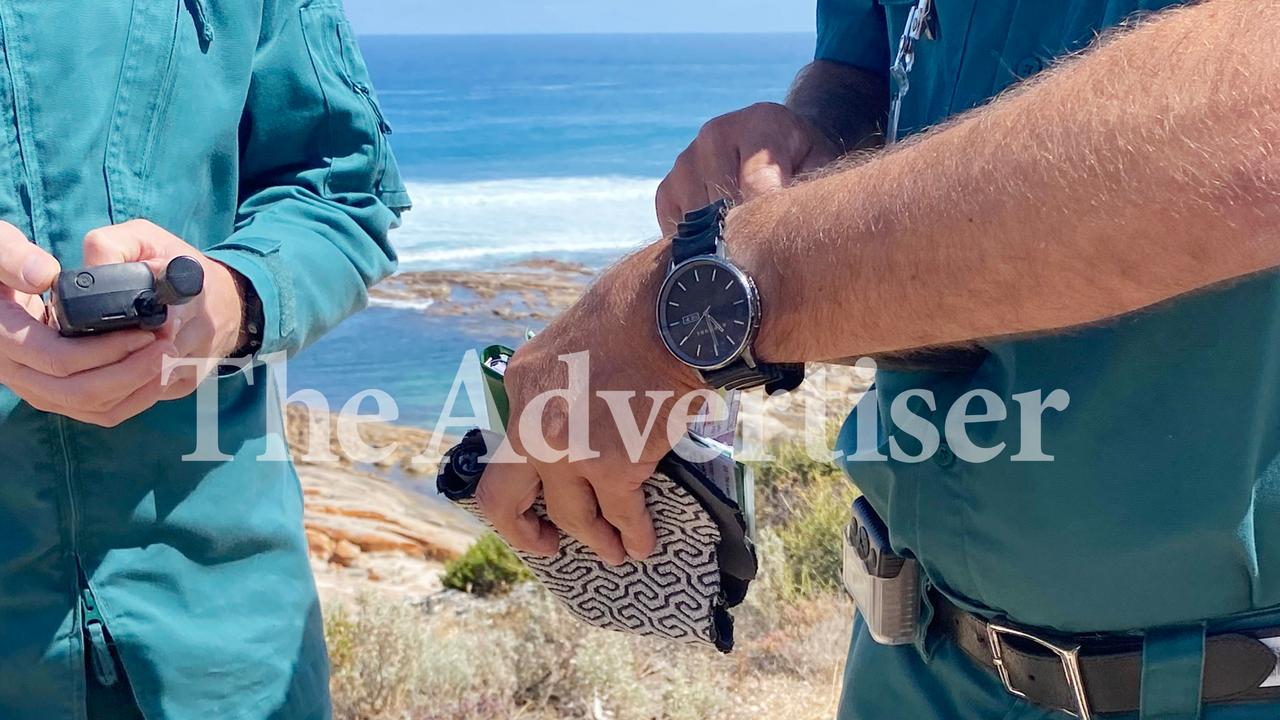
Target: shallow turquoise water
(518, 147)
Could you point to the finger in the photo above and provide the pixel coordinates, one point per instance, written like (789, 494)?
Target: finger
(125, 242)
(506, 494)
(572, 506)
(719, 165)
(135, 404)
(623, 506)
(682, 191)
(33, 304)
(97, 390)
(24, 266)
(667, 206)
(762, 173)
(189, 330)
(188, 338)
(35, 345)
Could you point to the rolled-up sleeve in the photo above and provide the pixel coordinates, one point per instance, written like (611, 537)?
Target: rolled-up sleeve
(319, 188)
(853, 32)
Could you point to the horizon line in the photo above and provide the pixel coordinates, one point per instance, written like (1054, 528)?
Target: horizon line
(582, 33)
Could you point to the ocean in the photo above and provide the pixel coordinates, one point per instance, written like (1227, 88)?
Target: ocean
(522, 147)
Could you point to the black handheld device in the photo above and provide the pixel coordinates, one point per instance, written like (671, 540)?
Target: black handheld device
(122, 296)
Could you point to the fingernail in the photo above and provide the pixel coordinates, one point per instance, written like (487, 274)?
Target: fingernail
(39, 270)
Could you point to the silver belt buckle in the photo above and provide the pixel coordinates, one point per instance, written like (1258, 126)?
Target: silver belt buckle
(1069, 655)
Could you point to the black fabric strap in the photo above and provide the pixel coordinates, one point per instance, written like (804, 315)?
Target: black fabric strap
(699, 232)
(779, 377)
(1234, 665)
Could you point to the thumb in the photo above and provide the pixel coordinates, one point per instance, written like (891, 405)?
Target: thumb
(24, 266)
(760, 174)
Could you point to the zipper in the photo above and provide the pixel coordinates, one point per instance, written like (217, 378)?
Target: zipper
(384, 129)
(383, 125)
(100, 659)
(200, 15)
(104, 666)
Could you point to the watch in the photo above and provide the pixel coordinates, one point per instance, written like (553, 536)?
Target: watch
(709, 310)
(249, 341)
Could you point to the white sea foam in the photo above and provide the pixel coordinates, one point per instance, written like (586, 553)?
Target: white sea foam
(492, 223)
(401, 304)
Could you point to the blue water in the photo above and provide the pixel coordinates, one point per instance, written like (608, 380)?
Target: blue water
(519, 147)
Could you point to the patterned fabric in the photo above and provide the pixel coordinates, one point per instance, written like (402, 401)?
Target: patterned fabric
(674, 594)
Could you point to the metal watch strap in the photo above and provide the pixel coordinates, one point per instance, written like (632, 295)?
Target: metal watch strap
(1090, 675)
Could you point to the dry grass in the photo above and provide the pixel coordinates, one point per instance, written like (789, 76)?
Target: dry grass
(461, 657)
(524, 657)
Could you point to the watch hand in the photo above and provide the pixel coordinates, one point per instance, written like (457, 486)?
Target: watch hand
(715, 325)
(694, 329)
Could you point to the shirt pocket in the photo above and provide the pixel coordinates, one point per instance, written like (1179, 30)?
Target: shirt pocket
(356, 119)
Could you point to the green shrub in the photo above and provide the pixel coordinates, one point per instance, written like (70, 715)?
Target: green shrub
(805, 504)
(488, 567)
(811, 537)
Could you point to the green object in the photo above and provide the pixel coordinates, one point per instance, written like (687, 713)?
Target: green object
(493, 383)
(1162, 505)
(488, 567)
(261, 145)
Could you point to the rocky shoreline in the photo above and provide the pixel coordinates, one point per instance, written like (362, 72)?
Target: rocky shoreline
(532, 291)
(375, 526)
(374, 523)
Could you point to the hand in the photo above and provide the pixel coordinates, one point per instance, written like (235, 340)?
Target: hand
(741, 156)
(597, 500)
(100, 380)
(206, 327)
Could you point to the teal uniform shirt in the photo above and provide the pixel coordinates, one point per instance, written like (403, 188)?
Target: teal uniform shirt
(246, 127)
(1162, 504)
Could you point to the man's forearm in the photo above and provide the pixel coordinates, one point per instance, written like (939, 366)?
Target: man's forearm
(1148, 168)
(847, 103)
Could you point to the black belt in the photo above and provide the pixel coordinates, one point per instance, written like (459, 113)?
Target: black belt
(1089, 675)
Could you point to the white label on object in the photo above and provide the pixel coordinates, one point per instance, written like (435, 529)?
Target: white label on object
(1273, 680)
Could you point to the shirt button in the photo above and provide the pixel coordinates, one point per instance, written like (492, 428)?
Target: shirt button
(1028, 66)
(944, 457)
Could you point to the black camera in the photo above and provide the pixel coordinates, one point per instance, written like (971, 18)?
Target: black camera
(122, 296)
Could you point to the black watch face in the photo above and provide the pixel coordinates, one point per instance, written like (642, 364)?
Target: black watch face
(707, 313)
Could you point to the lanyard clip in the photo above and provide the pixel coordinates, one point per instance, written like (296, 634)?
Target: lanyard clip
(918, 25)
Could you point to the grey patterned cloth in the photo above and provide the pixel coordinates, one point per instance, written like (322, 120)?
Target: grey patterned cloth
(682, 592)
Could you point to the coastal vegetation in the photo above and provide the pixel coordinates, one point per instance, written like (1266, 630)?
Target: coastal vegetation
(495, 646)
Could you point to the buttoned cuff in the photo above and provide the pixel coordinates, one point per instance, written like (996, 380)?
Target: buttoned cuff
(258, 260)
